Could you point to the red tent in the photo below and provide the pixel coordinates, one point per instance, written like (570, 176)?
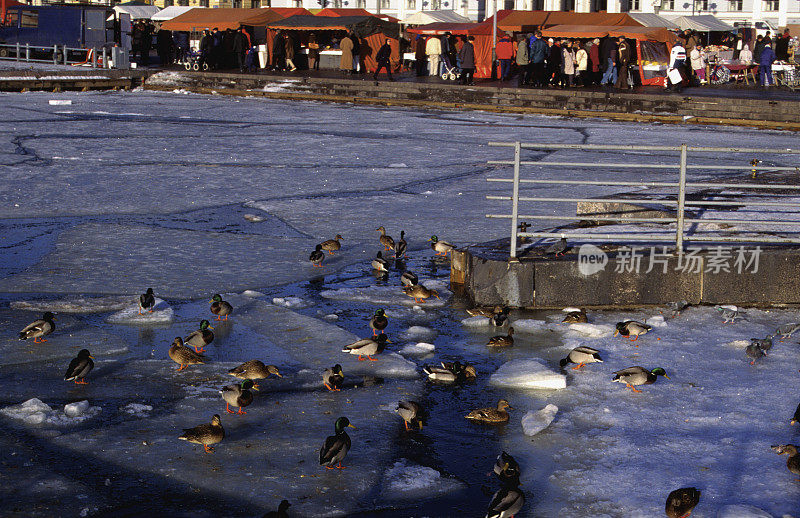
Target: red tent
(343, 12)
(483, 40)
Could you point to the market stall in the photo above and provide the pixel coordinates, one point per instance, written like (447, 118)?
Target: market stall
(528, 21)
(426, 17)
(483, 40)
(329, 30)
(168, 13)
(652, 46)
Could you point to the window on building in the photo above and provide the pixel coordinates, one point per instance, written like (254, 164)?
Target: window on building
(236, 4)
(297, 3)
(567, 5)
(537, 5)
(203, 3)
(411, 5)
(337, 4)
(435, 5)
(508, 4)
(384, 4)
(598, 5)
(668, 5)
(735, 5)
(771, 5)
(361, 4)
(634, 5)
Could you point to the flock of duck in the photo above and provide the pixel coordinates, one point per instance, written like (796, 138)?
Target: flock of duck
(509, 499)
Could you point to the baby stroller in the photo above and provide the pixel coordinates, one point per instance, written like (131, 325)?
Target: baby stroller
(449, 71)
(193, 59)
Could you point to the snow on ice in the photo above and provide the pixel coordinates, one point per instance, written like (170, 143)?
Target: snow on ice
(534, 422)
(161, 314)
(528, 374)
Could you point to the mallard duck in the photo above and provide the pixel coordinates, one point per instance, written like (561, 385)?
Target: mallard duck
(787, 330)
(796, 418)
(755, 352)
(420, 292)
(220, 308)
(506, 502)
(441, 248)
(401, 246)
(484, 312)
(39, 329)
(450, 372)
(729, 313)
(793, 462)
(379, 263)
(409, 411)
(205, 434)
(575, 317)
(317, 256)
(147, 301)
(677, 307)
(638, 376)
(367, 347)
(80, 367)
(238, 395)
(335, 448)
(491, 415)
(581, 355)
(385, 240)
(281, 512)
(500, 318)
(201, 338)
(333, 378)
(632, 328)
(378, 322)
(409, 279)
(502, 341)
(507, 469)
(184, 356)
(332, 245)
(557, 248)
(764, 343)
(254, 370)
(681, 502)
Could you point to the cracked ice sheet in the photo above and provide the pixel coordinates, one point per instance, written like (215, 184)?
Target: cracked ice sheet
(84, 256)
(391, 295)
(70, 336)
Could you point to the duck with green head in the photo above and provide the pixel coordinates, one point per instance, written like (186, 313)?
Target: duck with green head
(239, 395)
(638, 376)
(147, 301)
(379, 263)
(335, 447)
(401, 246)
(220, 307)
(80, 367)
(367, 347)
(333, 377)
(201, 338)
(378, 322)
(442, 248)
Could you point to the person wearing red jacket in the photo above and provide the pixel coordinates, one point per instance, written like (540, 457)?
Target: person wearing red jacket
(505, 53)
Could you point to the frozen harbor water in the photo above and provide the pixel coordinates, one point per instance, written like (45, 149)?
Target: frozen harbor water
(118, 192)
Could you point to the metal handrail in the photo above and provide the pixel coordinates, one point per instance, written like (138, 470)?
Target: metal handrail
(677, 200)
(22, 52)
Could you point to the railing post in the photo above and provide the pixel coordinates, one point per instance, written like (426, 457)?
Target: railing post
(18, 51)
(65, 55)
(515, 202)
(55, 54)
(27, 52)
(105, 58)
(681, 201)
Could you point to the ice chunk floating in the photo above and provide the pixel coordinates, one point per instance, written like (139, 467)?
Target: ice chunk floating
(535, 422)
(528, 374)
(162, 314)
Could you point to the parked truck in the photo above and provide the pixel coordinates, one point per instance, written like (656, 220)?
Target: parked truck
(73, 25)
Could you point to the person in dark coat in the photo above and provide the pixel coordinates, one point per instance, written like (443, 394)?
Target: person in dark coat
(759, 47)
(537, 56)
(554, 63)
(164, 47)
(278, 51)
(624, 59)
(240, 46)
(594, 61)
(146, 43)
(421, 59)
(782, 45)
(357, 65)
(383, 57)
(467, 58)
(206, 47)
(180, 40)
(313, 52)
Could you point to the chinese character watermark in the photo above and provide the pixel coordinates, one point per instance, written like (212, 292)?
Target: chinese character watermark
(714, 261)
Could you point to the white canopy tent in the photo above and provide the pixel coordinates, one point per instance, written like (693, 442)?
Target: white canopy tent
(168, 13)
(426, 17)
(702, 23)
(652, 20)
(137, 12)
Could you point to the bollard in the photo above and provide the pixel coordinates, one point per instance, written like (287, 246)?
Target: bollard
(55, 54)
(105, 58)
(27, 52)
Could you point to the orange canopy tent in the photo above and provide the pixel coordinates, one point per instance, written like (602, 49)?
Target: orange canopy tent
(652, 45)
(199, 19)
(333, 11)
(483, 40)
(527, 21)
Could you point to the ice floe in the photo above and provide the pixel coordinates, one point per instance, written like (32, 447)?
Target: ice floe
(34, 412)
(162, 314)
(417, 349)
(77, 304)
(528, 373)
(534, 422)
(389, 295)
(290, 302)
(408, 480)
